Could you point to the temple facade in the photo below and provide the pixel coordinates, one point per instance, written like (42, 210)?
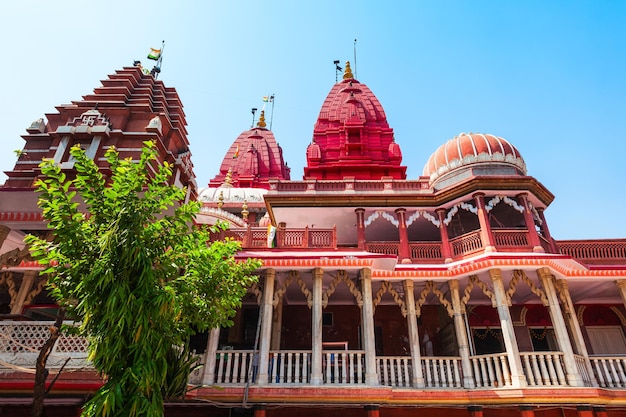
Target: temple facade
(379, 295)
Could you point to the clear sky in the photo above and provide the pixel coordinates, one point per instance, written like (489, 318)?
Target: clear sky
(549, 76)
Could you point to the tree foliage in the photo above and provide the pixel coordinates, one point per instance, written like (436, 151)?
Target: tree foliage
(128, 264)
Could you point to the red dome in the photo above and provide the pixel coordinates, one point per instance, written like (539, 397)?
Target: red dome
(351, 137)
(470, 150)
(253, 158)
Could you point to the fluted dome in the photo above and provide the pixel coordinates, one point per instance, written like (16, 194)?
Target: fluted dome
(351, 137)
(486, 154)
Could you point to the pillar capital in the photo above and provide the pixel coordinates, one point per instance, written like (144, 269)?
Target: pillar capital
(359, 210)
(318, 272)
(365, 273)
(479, 195)
(544, 273)
(400, 210)
(453, 284)
(495, 274)
(621, 283)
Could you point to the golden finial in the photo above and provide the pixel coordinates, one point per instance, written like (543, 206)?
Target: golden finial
(244, 210)
(220, 200)
(347, 74)
(228, 180)
(261, 122)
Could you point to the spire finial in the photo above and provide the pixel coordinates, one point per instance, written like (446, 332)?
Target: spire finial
(348, 72)
(261, 122)
(244, 210)
(228, 180)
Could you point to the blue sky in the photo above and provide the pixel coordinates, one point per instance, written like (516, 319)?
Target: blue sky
(549, 76)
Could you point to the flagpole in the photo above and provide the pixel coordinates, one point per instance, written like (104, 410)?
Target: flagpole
(272, 115)
(159, 62)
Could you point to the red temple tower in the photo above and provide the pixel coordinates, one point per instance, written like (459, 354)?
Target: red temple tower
(352, 138)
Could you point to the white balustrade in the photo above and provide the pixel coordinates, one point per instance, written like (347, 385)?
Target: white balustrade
(491, 371)
(610, 371)
(394, 371)
(290, 367)
(442, 371)
(543, 368)
(343, 366)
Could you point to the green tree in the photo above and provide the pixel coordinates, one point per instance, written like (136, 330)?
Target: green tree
(128, 264)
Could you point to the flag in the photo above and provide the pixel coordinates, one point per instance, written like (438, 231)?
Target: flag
(271, 235)
(154, 54)
(236, 152)
(266, 99)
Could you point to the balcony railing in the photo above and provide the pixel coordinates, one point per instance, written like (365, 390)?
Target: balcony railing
(466, 244)
(20, 343)
(610, 371)
(298, 238)
(595, 252)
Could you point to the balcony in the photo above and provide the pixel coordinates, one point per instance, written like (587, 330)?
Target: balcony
(20, 343)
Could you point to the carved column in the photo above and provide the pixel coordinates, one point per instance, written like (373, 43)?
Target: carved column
(360, 227)
(27, 283)
(461, 334)
(518, 379)
(367, 324)
(266, 326)
(485, 228)
(277, 325)
(316, 328)
(574, 326)
(533, 236)
(414, 338)
(211, 356)
(546, 232)
(446, 250)
(547, 281)
(404, 252)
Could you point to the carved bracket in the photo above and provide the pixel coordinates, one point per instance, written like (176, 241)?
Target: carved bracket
(428, 288)
(455, 209)
(342, 276)
(533, 288)
(279, 292)
(475, 281)
(307, 294)
(387, 286)
(494, 202)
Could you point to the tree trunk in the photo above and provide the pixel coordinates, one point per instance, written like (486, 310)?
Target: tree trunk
(41, 373)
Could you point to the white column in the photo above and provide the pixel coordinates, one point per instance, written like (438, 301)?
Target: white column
(560, 331)
(518, 379)
(414, 338)
(317, 378)
(210, 357)
(27, 283)
(266, 326)
(577, 333)
(367, 326)
(461, 334)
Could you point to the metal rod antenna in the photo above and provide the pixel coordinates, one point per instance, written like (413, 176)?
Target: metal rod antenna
(355, 75)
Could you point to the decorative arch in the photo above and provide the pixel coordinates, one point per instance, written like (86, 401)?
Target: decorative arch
(385, 215)
(387, 286)
(342, 276)
(601, 315)
(428, 288)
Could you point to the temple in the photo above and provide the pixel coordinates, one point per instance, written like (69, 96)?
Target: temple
(379, 295)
